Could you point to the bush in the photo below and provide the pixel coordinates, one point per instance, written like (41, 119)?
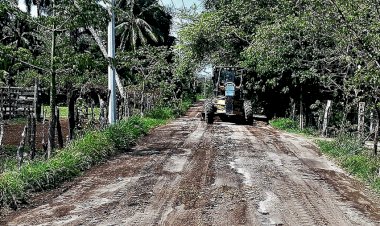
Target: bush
(161, 113)
(284, 124)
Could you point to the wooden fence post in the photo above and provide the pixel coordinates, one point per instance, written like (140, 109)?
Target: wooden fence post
(1, 130)
(326, 117)
(29, 129)
(59, 128)
(20, 149)
(371, 123)
(361, 119)
(32, 138)
(44, 143)
(376, 138)
(301, 119)
(35, 99)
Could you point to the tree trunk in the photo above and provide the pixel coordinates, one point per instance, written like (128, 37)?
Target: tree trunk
(126, 105)
(361, 120)
(325, 118)
(142, 99)
(301, 119)
(134, 100)
(59, 129)
(293, 109)
(92, 111)
(44, 143)
(103, 49)
(71, 114)
(53, 92)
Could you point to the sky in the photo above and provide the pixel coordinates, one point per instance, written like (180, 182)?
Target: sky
(178, 4)
(181, 3)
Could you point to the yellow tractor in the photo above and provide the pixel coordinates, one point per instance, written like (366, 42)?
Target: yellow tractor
(229, 99)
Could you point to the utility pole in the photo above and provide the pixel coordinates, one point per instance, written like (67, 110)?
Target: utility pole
(111, 66)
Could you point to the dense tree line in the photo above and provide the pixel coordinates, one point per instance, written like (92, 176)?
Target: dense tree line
(304, 52)
(63, 45)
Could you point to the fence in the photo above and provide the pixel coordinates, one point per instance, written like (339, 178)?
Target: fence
(18, 101)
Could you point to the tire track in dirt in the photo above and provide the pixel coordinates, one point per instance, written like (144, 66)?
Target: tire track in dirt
(305, 196)
(190, 173)
(116, 191)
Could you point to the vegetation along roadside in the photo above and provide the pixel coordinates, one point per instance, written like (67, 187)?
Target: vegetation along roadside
(93, 148)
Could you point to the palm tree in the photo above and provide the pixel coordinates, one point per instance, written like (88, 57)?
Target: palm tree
(41, 5)
(134, 26)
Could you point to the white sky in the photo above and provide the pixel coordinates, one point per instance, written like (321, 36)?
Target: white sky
(179, 3)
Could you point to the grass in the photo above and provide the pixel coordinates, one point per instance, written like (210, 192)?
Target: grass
(93, 148)
(7, 158)
(352, 156)
(291, 126)
(64, 111)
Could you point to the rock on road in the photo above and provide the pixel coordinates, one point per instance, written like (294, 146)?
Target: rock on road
(190, 173)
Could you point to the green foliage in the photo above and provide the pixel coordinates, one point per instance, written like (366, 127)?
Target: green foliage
(63, 112)
(284, 124)
(141, 22)
(94, 147)
(161, 113)
(290, 126)
(350, 154)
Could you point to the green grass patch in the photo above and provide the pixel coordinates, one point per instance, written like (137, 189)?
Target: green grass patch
(200, 96)
(64, 112)
(161, 113)
(357, 160)
(291, 126)
(8, 158)
(92, 148)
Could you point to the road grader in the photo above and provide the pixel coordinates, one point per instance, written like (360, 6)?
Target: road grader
(229, 97)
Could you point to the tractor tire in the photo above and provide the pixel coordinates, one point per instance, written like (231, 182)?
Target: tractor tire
(209, 111)
(248, 112)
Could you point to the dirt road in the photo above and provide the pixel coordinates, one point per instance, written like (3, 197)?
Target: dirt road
(188, 173)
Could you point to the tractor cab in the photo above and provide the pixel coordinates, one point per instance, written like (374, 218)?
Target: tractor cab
(227, 81)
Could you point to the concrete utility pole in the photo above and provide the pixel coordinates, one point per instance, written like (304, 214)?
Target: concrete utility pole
(111, 66)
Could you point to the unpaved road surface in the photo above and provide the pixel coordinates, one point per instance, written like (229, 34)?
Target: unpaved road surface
(190, 173)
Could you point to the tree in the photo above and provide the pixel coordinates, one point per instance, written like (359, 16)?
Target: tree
(140, 23)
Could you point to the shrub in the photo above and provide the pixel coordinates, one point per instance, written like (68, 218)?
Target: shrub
(290, 126)
(284, 124)
(161, 113)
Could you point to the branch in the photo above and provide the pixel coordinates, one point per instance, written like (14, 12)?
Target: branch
(353, 31)
(99, 41)
(26, 63)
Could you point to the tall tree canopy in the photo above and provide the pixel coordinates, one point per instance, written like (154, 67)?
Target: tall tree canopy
(305, 51)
